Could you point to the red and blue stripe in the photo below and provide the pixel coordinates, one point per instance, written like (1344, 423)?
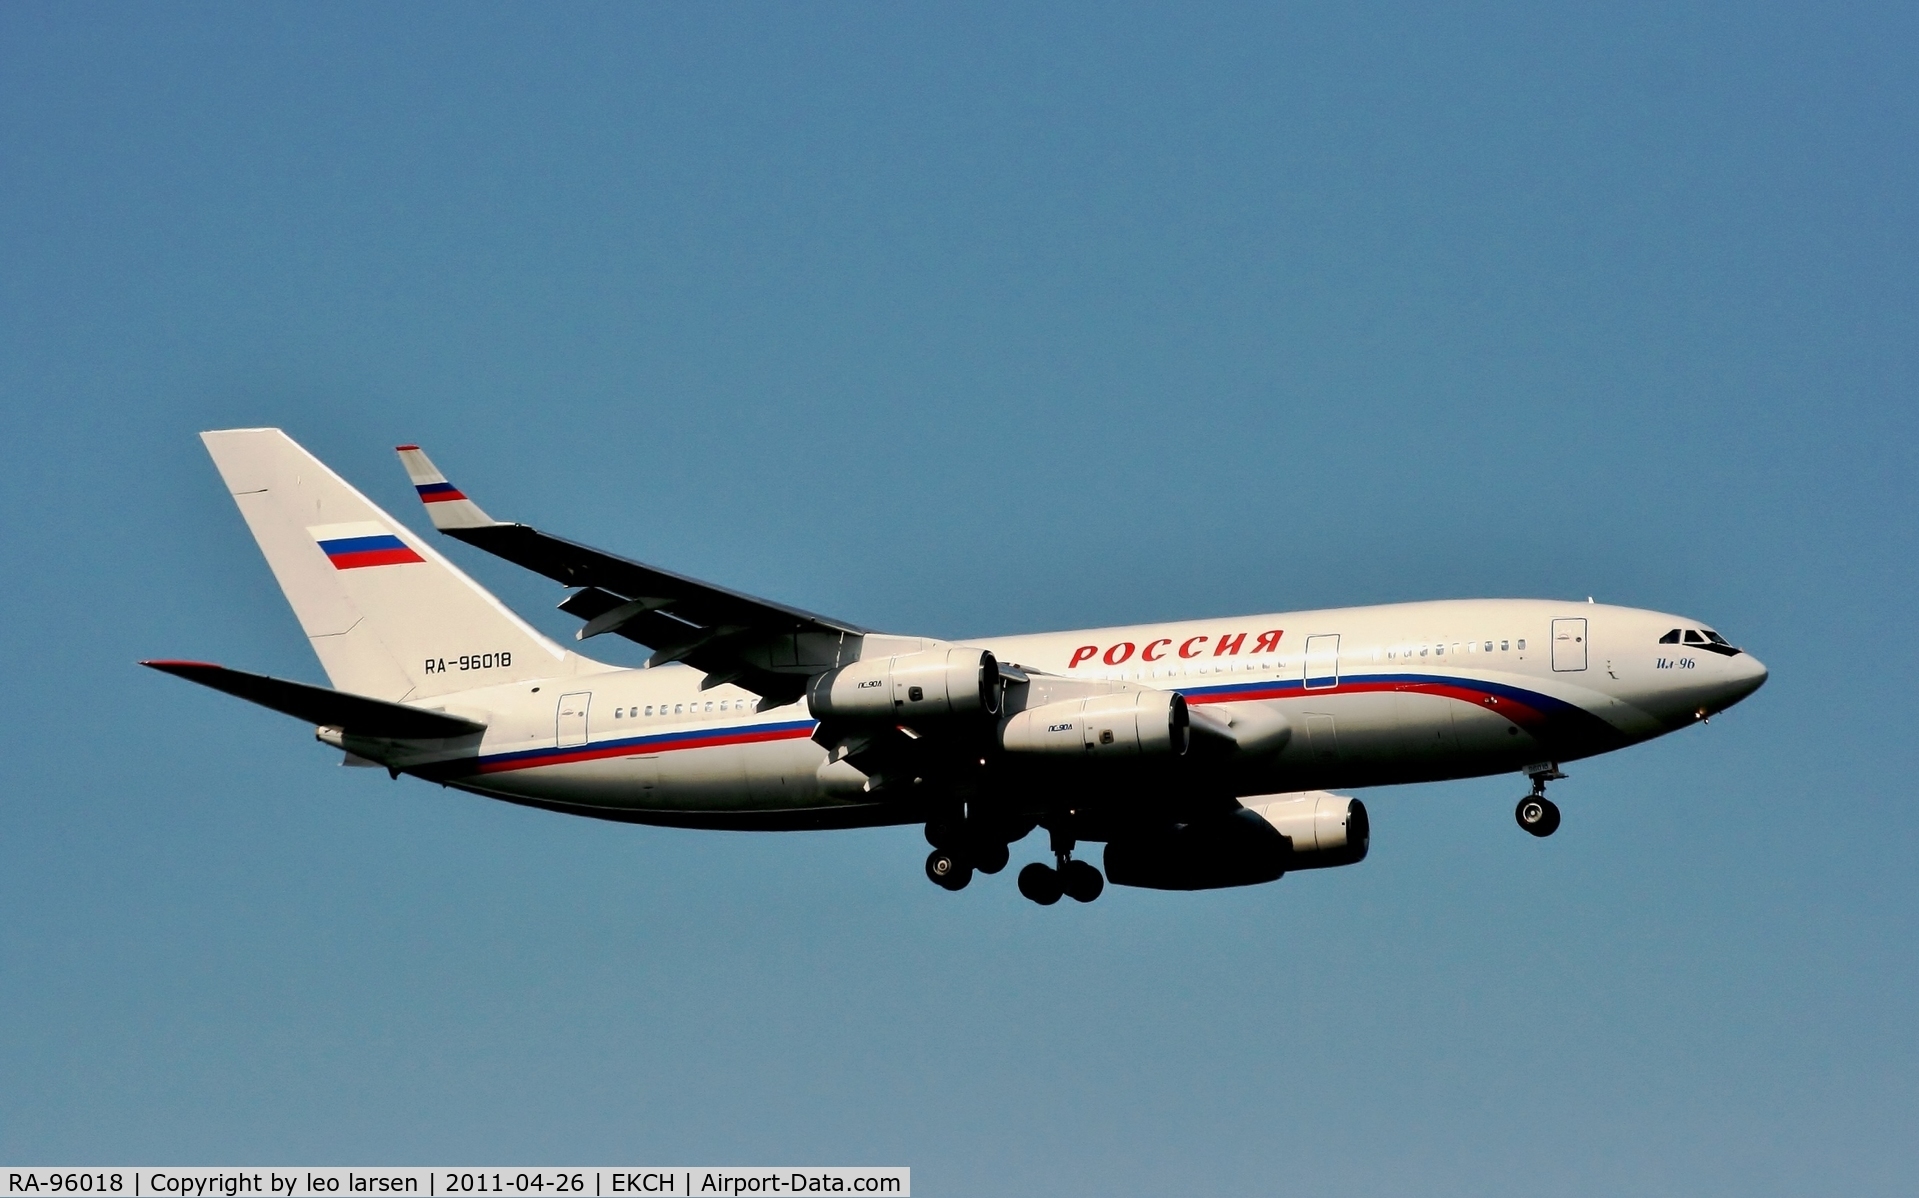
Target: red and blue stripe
(440, 492)
(646, 746)
(353, 553)
(1537, 713)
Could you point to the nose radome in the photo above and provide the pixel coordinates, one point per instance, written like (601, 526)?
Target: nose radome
(1747, 674)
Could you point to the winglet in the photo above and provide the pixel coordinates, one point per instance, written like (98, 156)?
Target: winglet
(445, 503)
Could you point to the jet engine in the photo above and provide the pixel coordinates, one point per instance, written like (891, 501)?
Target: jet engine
(932, 684)
(1144, 723)
(1323, 829)
(1254, 844)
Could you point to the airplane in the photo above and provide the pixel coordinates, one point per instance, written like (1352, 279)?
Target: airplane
(1201, 753)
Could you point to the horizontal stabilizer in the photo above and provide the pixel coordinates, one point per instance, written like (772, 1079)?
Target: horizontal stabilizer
(318, 705)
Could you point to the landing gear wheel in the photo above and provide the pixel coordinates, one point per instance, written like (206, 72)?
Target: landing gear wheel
(1538, 815)
(1082, 881)
(1040, 883)
(948, 869)
(990, 858)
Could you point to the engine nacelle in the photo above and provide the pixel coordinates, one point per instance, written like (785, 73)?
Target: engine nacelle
(930, 685)
(1324, 829)
(1144, 723)
(1235, 849)
(1254, 844)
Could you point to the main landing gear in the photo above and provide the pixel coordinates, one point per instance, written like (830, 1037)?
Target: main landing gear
(948, 869)
(1080, 881)
(956, 855)
(1536, 813)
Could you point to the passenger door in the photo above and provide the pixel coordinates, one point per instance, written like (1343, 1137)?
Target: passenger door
(1321, 663)
(1569, 644)
(570, 720)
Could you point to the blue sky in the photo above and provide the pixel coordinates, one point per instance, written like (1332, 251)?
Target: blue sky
(959, 320)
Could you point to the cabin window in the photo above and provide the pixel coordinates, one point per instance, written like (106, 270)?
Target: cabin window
(649, 709)
(1489, 646)
(1522, 644)
(1440, 651)
(678, 708)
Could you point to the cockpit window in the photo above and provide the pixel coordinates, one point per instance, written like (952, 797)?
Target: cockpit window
(1715, 638)
(1671, 638)
(1693, 637)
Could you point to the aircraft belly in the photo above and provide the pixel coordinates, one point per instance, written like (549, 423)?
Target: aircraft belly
(1372, 738)
(1367, 724)
(1482, 735)
(774, 776)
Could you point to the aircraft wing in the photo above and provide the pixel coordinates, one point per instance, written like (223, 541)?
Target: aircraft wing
(355, 714)
(765, 647)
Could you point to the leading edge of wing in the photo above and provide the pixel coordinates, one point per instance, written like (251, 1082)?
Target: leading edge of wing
(688, 600)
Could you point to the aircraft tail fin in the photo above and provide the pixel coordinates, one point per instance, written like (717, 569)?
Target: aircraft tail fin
(388, 616)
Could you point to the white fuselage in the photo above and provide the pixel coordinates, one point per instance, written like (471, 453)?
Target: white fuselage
(1371, 695)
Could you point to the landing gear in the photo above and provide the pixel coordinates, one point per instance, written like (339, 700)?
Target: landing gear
(1041, 884)
(991, 858)
(1536, 813)
(948, 869)
(961, 846)
(1080, 881)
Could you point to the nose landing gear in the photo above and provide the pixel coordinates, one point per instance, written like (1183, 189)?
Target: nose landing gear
(1536, 813)
(1080, 881)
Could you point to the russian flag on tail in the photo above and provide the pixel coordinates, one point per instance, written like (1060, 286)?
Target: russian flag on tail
(361, 544)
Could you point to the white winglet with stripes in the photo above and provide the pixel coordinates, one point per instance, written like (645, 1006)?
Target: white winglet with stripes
(446, 506)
